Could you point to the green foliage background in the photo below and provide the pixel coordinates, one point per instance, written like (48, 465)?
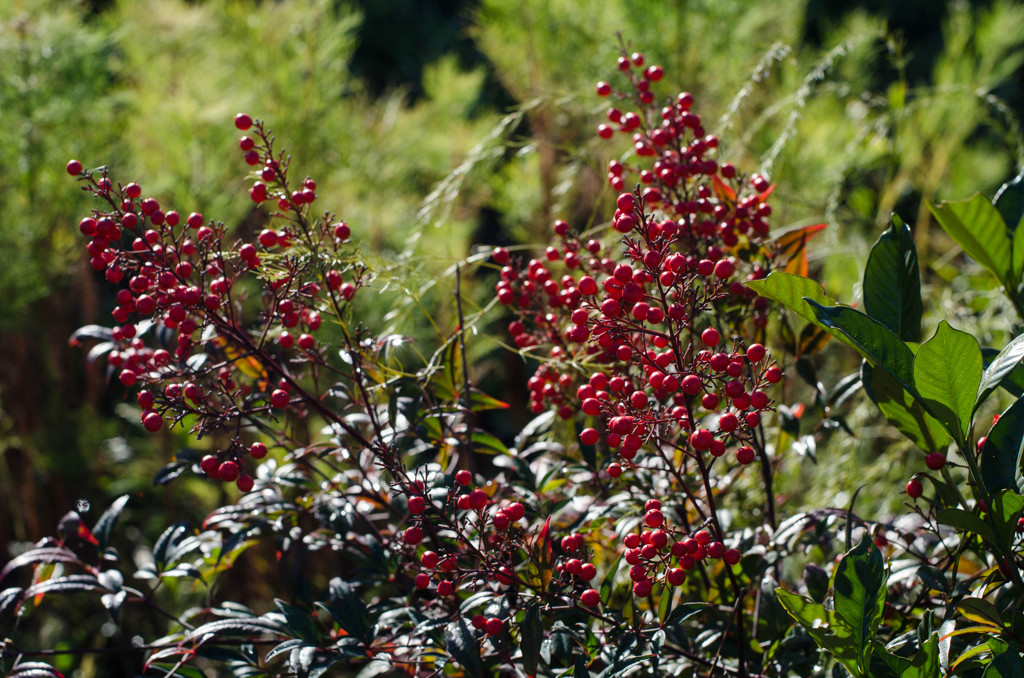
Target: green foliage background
(437, 127)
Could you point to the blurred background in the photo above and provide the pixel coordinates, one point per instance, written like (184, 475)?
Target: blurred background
(439, 127)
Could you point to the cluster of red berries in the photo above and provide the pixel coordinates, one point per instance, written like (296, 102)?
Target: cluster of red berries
(177, 275)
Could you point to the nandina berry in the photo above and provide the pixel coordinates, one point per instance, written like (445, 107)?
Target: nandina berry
(745, 455)
(245, 483)
(413, 535)
(477, 499)
(756, 353)
(257, 450)
(209, 464)
(429, 559)
(701, 439)
(228, 471)
(642, 588)
(463, 477)
(445, 588)
(914, 488)
(590, 598)
(935, 460)
(74, 167)
(152, 421)
(614, 470)
(654, 518)
(710, 337)
(603, 89)
(501, 520)
(417, 505)
(676, 576)
(279, 399)
(773, 375)
(243, 121)
(587, 571)
(421, 580)
(494, 626)
(731, 556)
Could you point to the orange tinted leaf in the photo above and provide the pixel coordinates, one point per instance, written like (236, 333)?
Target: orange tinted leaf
(723, 191)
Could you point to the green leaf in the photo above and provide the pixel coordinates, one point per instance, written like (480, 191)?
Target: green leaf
(858, 590)
(1007, 507)
(1000, 368)
(871, 339)
(925, 662)
(792, 291)
(1018, 253)
(1001, 455)
(968, 522)
(105, 524)
(1009, 200)
(978, 228)
(906, 414)
(1005, 663)
(947, 374)
(462, 646)
(828, 631)
(532, 635)
(980, 611)
(892, 282)
(346, 608)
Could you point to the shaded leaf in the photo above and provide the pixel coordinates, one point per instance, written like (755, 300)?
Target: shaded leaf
(968, 522)
(1000, 368)
(892, 282)
(1001, 456)
(105, 524)
(461, 645)
(858, 589)
(906, 414)
(532, 634)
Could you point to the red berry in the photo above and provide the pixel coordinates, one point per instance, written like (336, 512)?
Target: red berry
(477, 499)
(935, 460)
(494, 626)
(279, 399)
(74, 167)
(422, 580)
(914, 488)
(587, 571)
(773, 375)
(245, 482)
(756, 353)
(445, 588)
(676, 576)
(642, 588)
(614, 470)
(209, 464)
(152, 421)
(603, 89)
(413, 535)
(463, 477)
(243, 121)
(228, 471)
(590, 598)
(429, 559)
(710, 337)
(731, 556)
(417, 505)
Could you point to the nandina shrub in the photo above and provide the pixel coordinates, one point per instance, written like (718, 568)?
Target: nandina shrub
(631, 527)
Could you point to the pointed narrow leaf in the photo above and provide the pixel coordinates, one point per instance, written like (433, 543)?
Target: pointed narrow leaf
(967, 522)
(871, 339)
(532, 634)
(105, 524)
(1000, 459)
(1018, 253)
(1000, 367)
(1009, 200)
(906, 414)
(461, 645)
(978, 228)
(892, 282)
(947, 374)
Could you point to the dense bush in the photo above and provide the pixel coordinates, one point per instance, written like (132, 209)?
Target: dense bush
(637, 509)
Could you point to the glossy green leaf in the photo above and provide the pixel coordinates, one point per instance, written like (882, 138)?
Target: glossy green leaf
(947, 375)
(1000, 368)
(1009, 201)
(871, 339)
(967, 522)
(858, 591)
(892, 282)
(461, 644)
(531, 636)
(1007, 507)
(1001, 455)
(978, 228)
(906, 414)
(1005, 661)
(347, 608)
(792, 291)
(828, 631)
(1018, 253)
